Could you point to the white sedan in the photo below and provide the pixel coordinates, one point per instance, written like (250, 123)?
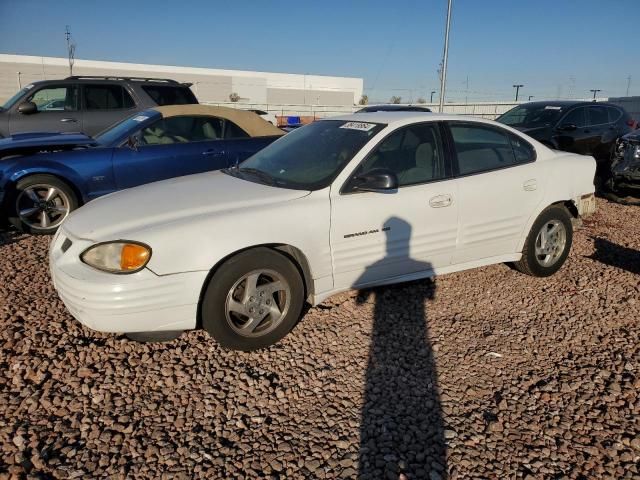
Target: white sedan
(347, 202)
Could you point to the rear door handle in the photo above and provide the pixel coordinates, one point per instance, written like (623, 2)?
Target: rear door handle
(530, 185)
(213, 153)
(69, 120)
(440, 201)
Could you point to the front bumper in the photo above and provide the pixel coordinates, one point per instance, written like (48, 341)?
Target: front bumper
(138, 302)
(625, 168)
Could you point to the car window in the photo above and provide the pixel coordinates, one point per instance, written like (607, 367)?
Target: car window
(523, 151)
(614, 114)
(575, 117)
(165, 95)
(107, 97)
(58, 98)
(182, 129)
(414, 154)
(598, 115)
(480, 148)
(234, 131)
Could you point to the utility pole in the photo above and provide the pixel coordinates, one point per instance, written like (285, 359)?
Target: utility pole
(628, 84)
(445, 57)
(594, 91)
(517, 87)
(466, 96)
(71, 49)
(432, 92)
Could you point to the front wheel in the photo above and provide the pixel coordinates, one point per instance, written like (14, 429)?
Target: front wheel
(548, 243)
(40, 203)
(253, 300)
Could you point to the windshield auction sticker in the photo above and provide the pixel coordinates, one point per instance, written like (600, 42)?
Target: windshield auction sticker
(363, 127)
(139, 118)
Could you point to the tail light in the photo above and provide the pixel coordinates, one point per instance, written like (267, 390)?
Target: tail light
(632, 123)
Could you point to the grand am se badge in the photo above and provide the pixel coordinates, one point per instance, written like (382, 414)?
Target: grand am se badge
(359, 234)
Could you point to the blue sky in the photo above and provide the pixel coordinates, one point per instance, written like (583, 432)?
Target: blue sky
(554, 47)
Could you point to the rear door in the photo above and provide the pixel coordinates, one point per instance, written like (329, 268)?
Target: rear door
(104, 105)
(58, 111)
(599, 129)
(499, 186)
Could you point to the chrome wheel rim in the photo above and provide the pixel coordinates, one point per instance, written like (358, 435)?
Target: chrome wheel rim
(42, 206)
(257, 303)
(550, 243)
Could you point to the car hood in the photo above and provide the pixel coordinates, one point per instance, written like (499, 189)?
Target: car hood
(111, 217)
(44, 139)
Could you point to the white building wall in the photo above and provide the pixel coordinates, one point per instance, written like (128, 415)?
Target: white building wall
(209, 84)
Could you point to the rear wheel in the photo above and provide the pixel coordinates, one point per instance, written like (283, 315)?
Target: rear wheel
(548, 243)
(40, 203)
(253, 300)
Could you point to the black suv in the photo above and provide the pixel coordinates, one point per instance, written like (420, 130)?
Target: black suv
(588, 128)
(86, 104)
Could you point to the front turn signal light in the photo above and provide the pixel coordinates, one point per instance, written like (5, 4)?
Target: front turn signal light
(117, 257)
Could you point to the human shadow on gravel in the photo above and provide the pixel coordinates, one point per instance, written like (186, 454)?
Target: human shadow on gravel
(616, 255)
(401, 427)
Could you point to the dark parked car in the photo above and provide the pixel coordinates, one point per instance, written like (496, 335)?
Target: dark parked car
(44, 176)
(393, 108)
(625, 168)
(86, 104)
(587, 128)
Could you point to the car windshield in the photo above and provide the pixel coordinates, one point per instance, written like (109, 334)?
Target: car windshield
(120, 131)
(310, 157)
(530, 116)
(9, 103)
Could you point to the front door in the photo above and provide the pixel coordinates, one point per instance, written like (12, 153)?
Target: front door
(58, 111)
(172, 147)
(376, 237)
(499, 187)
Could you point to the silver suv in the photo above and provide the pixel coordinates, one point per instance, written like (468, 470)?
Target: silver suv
(86, 104)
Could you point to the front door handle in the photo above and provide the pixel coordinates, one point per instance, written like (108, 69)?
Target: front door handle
(69, 120)
(440, 201)
(530, 185)
(213, 153)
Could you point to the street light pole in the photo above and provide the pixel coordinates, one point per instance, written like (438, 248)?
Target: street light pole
(530, 97)
(594, 91)
(518, 87)
(445, 57)
(432, 92)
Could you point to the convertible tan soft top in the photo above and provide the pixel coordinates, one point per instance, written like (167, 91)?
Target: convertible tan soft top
(250, 122)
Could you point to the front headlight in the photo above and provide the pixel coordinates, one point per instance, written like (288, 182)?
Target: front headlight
(117, 257)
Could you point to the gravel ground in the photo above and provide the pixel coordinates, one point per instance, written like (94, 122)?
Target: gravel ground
(482, 374)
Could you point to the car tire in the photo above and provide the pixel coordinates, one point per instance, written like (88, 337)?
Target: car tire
(161, 336)
(548, 243)
(253, 300)
(38, 195)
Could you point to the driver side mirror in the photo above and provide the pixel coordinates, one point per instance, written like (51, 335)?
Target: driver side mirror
(379, 180)
(568, 127)
(133, 142)
(27, 108)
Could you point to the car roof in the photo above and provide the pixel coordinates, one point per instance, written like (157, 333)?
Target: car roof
(566, 103)
(392, 118)
(118, 80)
(394, 108)
(250, 122)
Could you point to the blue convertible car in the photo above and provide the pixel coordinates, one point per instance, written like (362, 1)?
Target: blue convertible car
(43, 176)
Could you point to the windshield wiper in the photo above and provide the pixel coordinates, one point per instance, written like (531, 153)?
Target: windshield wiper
(264, 176)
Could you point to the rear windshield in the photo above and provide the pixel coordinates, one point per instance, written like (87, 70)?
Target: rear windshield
(165, 95)
(529, 116)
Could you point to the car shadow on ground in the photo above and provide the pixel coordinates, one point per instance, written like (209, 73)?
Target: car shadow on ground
(401, 428)
(615, 255)
(9, 235)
